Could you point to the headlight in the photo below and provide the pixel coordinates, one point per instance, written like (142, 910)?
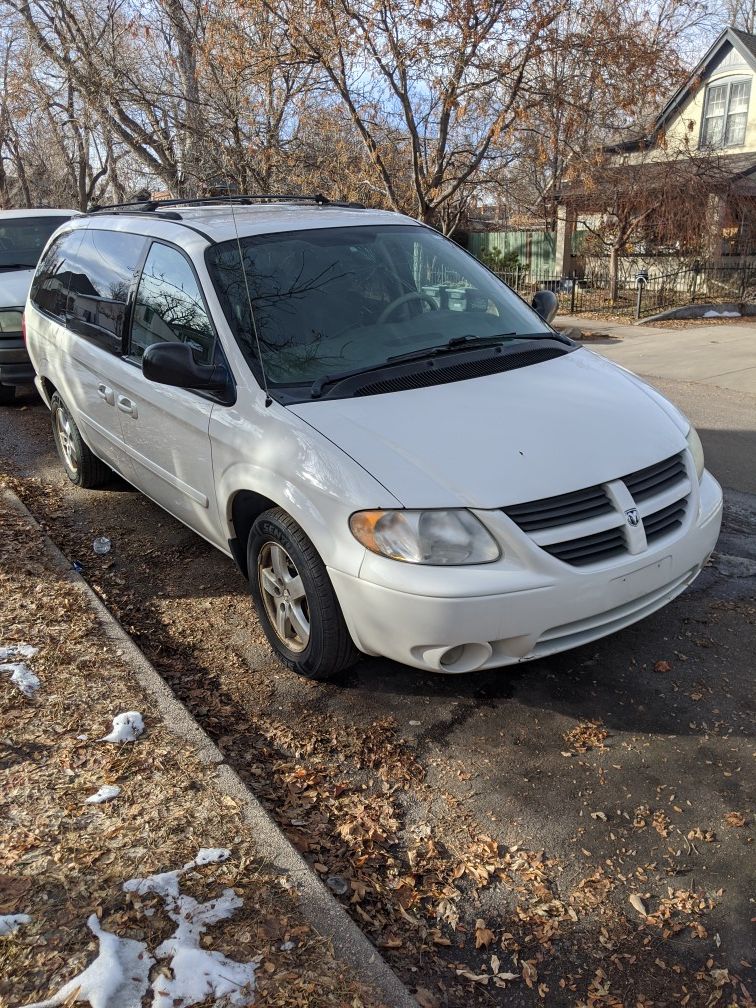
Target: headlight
(696, 450)
(10, 320)
(439, 538)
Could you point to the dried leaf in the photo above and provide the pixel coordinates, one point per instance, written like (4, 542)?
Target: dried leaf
(637, 904)
(483, 935)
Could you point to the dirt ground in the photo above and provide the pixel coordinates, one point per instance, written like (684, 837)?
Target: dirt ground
(62, 859)
(574, 832)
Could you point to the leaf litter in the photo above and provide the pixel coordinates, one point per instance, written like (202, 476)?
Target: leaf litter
(346, 797)
(63, 860)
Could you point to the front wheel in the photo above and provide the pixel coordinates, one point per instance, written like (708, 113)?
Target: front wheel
(297, 605)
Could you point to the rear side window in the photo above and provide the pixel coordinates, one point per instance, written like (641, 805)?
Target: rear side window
(49, 288)
(101, 273)
(169, 306)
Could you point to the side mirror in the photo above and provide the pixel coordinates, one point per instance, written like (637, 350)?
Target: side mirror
(174, 364)
(545, 304)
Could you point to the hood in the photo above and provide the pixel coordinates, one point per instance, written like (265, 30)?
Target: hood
(14, 286)
(521, 435)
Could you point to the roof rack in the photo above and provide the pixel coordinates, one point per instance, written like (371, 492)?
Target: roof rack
(153, 206)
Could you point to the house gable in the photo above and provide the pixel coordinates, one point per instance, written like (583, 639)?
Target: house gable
(716, 108)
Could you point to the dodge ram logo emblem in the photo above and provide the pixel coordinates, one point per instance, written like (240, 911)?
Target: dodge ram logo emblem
(633, 518)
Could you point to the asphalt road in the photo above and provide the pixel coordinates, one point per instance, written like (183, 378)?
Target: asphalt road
(533, 801)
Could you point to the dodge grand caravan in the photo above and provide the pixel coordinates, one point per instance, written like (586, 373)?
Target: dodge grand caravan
(401, 455)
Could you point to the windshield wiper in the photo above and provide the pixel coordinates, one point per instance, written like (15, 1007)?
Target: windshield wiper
(10, 266)
(316, 390)
(455, 345)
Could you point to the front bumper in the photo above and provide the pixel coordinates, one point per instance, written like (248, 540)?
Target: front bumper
(434, 621)
(15, 366)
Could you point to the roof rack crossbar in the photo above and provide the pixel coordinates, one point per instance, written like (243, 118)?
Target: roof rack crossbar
(151, 206)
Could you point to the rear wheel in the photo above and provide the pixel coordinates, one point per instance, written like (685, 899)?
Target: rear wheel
(7, 394)
(82, 467)
(298, 608)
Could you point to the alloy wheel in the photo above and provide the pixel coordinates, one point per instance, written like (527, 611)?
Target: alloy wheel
(65, 437)
(283, 596)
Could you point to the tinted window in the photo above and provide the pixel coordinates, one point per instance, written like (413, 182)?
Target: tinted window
(23, 238)
(101, 272)
(50, 286)
(169, 306)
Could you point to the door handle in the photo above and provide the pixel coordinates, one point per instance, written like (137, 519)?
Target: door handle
(127, 406)
(106, 393)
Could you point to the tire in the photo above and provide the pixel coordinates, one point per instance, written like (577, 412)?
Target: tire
(293, 594)
(7, 394)
(82, 467)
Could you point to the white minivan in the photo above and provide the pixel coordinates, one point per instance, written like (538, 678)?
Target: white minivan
(403, 456)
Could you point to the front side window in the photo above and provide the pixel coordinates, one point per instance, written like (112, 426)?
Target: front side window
(22, 240)
(100, 275)
(169, 306)
(725, 114)
(338, 299)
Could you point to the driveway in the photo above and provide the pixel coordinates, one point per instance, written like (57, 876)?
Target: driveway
(573, 831)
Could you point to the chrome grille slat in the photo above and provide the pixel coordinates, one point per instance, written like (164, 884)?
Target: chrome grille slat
(565, 521)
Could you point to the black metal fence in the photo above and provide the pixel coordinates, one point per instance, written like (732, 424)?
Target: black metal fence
(643, 293)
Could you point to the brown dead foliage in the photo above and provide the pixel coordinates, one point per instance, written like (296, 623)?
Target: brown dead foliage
(61, 860)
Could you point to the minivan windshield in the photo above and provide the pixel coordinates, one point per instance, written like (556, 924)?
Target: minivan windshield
(335, 300)
(22, 239)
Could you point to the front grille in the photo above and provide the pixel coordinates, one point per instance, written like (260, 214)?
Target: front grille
(589, 549)
(461, 372)
(666, 520)
(654, 479)
(561, 510)
(550, 521)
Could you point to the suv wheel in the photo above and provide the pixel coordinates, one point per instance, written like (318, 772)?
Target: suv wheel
(82, 467)
(7, 394)
(295, 599)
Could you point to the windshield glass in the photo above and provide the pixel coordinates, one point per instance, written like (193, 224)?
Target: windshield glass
(332, 300)
(22, 240)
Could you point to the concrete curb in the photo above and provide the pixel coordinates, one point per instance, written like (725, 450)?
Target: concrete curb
(326, 915)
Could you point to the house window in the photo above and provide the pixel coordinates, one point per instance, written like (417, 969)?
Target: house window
(725, 114)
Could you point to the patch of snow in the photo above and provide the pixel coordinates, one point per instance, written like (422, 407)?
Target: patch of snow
(10, 923)
(165, 884)
(22, 677)
(287, 946)
(199, 975)
(118, 977)
(17, 651)
(105, 793)
(721, 314)
(211, 855)
(127, 727)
